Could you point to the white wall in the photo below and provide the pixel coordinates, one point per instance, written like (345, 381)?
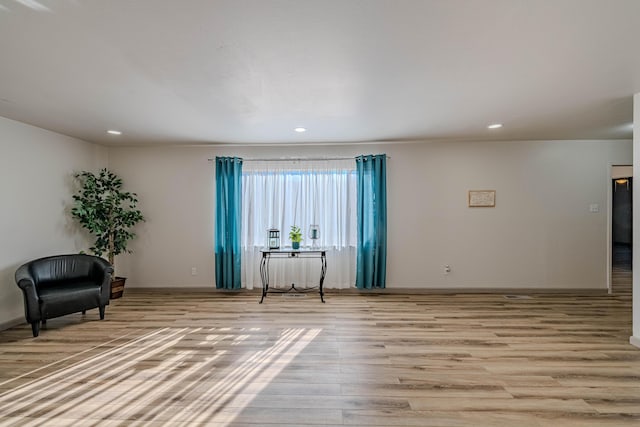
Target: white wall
(36, 169)
(540, 234)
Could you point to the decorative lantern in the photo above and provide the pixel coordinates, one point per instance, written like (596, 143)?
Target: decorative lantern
(314, 234)
(273, 238)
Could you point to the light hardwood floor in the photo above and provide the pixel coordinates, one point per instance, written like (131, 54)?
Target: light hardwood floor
(222, 359)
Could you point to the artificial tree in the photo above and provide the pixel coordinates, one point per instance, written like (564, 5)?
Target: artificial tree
(107, 212)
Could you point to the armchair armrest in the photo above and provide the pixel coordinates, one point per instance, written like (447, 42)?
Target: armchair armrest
(26, 282)
(102, 273)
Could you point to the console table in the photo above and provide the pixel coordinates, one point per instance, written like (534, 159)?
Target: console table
(267, 254)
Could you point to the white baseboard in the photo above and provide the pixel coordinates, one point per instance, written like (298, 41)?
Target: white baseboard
(353, 290)
(11, 323)
(635, 341)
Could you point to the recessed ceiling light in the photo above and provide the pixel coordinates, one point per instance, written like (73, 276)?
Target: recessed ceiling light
(495, 126)
(114, 132)
(300, 130)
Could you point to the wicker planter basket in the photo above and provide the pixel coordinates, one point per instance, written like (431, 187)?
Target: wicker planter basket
(117, 287)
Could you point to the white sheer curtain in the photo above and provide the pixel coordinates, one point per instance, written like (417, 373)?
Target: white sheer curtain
(279, 194)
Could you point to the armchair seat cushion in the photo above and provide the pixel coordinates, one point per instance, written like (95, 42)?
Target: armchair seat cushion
(58, 299)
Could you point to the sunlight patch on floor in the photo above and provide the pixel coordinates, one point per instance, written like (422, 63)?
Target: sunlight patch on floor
(161, 377)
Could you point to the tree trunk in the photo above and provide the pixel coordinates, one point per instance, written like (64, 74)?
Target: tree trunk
(111, 255)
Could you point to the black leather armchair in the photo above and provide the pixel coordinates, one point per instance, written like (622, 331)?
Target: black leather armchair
(63, 284)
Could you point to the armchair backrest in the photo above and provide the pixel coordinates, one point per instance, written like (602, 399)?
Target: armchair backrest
(65, 267)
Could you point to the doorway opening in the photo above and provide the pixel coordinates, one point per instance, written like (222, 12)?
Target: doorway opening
(621, 232)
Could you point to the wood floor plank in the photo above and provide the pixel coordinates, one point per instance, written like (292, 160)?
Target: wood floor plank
(164, 358)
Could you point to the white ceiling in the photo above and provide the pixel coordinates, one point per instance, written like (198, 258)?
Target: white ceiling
(249, 71)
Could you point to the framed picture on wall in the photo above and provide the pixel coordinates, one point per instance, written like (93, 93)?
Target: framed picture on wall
(482, 198)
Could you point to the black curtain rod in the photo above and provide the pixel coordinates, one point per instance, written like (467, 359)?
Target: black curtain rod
(298, 159)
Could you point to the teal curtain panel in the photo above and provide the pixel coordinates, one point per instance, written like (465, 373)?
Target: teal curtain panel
(371, 258)
(228, 222)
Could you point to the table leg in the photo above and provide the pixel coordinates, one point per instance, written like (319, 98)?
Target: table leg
(323, 271)
(264, 275)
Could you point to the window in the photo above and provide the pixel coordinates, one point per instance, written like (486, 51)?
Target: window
(282, 194)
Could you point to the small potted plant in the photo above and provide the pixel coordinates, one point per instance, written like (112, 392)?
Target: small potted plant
(295, 235)
(109, 214)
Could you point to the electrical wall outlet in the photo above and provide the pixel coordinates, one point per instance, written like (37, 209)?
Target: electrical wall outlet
(447, 269)
(194, 271)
